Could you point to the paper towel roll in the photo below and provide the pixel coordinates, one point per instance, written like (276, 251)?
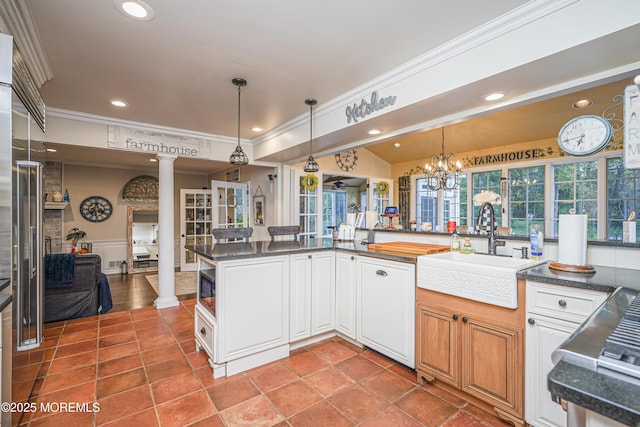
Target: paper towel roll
(572, 239)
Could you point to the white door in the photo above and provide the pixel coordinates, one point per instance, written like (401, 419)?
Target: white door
(230, 204)
(380, 195)
(195, 224)
(307, 202)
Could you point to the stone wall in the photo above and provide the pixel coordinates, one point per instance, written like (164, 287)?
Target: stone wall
(53, 217)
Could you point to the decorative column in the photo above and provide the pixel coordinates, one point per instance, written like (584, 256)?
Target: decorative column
(166, 255)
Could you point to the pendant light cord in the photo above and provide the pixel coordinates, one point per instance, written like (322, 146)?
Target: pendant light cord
(310, 129)
(239, 86)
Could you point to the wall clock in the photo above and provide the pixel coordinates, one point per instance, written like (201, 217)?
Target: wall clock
(347, 160)
(584, 135)
(96, 209)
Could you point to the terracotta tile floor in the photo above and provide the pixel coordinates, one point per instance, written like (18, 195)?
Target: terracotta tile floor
(142, 368)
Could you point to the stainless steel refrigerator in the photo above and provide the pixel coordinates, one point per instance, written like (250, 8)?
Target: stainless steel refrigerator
(22, 154)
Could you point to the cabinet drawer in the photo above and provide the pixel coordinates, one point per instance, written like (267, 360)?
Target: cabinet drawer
(562, 302)
(205, 332)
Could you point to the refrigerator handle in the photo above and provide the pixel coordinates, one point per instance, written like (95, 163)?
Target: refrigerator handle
(39, 258)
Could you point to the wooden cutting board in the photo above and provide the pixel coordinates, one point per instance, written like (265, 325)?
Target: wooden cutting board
(408, 248)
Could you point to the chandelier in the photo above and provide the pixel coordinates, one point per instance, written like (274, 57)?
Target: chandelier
(238, 157)
(441, 169)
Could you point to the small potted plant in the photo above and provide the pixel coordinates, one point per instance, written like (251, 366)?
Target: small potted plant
(74, 235)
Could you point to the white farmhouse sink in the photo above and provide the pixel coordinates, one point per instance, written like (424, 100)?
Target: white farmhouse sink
(486, 278)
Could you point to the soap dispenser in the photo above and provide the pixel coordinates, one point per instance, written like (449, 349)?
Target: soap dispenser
(455, 242)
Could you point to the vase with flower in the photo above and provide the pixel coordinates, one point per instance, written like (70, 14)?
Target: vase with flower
(74, 235)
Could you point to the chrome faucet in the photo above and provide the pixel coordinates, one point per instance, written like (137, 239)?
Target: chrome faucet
(493, 231)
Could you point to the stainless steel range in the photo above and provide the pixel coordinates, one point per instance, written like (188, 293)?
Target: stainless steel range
(600, 367)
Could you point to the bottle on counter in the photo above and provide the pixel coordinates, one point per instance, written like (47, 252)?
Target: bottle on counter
(455, 242)
(536, 237)
(65, 198)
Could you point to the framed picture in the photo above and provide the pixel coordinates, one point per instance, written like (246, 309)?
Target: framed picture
(259, 210)
(360, 220)
(85, 248)
(232, 175)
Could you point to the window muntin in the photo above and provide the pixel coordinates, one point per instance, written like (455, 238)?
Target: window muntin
(575, 186)
(623, 196)
(489, 180)
(526, 199)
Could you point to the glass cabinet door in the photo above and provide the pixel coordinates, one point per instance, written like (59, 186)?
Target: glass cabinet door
(196, 219)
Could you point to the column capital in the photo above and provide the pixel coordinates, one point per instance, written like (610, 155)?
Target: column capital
(166, 157)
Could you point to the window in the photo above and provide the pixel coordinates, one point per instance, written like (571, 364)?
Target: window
(426, 203)
(308, 209)
(440, 207)
(526, 199)
(334, 210)
(486, 181)
(623, 196)
(575, 186)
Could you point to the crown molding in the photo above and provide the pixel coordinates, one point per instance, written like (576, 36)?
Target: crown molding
(19, 23)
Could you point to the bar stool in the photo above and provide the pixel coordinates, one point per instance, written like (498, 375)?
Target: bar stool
(232, 234)
(284, 230)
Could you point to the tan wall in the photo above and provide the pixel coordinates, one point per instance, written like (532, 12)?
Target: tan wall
(369, 165)
(85, 181)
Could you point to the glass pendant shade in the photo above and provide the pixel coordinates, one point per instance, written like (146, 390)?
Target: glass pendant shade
(238, 157)
(443, 172)
(311, 165)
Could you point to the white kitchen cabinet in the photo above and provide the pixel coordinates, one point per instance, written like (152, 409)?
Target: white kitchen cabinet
(312, 294)
(553, 314)
(246, 323)
(385, 307)
(346, 294)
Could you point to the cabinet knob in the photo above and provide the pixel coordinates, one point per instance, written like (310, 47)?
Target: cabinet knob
(465, 320)
(381, 273)
(454, 317)
(562, 303)
(353, 258)
(531, 320)
(309, 256)
(203, 331)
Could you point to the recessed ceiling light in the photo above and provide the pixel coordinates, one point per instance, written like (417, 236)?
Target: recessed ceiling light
(494, 96)
(118, 103)
(375, 131)
(397, 144)
(256, 129)
(52, 150)
(581, 104)
(153, 160)
(135, 9)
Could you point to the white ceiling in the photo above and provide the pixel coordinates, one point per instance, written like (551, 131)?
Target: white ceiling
(176, 69)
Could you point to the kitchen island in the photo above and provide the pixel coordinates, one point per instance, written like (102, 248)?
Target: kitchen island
(258, 300)
(599, 390)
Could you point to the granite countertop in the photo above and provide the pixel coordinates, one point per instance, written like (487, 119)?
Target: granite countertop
(605, 279)
(4, 283)
(239, 250)
(5, 300)
(605, 394)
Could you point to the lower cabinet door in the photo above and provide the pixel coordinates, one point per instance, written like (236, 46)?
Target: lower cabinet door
(493, 363)
(544, 335)
(386, 308)
(346, 294)
(438, 344)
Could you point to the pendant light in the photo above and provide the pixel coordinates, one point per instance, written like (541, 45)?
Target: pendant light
(238, 157)
(311, 165)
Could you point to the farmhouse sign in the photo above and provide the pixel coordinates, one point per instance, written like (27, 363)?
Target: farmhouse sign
(366, 107)
(156, 143)
(528, 154)
(632, 127)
